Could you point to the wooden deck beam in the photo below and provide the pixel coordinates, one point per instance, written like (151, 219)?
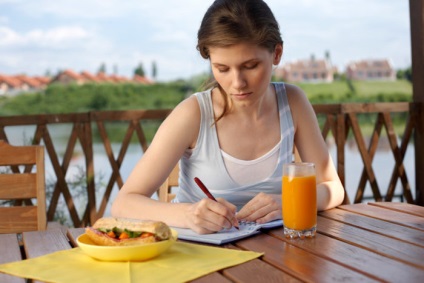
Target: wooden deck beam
(416, 12)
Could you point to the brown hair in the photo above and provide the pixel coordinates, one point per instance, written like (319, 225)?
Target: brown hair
(229, 22)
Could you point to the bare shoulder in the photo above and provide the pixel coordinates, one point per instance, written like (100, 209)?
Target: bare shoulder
(299, 103)
(184, 120)
(295, 94)
(187, 112)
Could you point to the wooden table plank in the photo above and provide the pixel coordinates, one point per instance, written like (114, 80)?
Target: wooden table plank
(214, 277)
(9, 248)
(249, 271)
(38, 243)
(355, 258)
(407, 234)
(386, 215)
(402, 207)
(73, 234)
(257, 271)
(373, 242)
(9, 251)
(298, 262)
(57, 225)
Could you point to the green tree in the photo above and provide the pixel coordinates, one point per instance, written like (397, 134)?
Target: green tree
(139, 70)
(405, 74)
(154, 70)
(408, 74)
(400, 74)
(102, 68)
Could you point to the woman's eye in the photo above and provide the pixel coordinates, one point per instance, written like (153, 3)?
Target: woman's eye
(222, 70)
(251, 66)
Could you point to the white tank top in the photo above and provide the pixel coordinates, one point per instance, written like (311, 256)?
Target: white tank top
(206, 161)
(245, 172)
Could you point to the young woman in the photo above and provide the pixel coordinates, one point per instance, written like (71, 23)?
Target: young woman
(235, 136)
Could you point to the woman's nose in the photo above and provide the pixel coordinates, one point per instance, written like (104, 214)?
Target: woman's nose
(239, 81)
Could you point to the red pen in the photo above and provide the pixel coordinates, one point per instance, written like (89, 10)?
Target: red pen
(208, 194)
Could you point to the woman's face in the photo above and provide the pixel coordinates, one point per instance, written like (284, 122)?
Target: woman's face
(243, 70)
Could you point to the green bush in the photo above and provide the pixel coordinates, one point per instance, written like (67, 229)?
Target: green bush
(74, 98)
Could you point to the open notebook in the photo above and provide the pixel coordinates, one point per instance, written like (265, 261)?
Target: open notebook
(225, 236)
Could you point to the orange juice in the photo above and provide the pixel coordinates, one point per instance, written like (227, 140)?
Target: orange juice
(299, 199)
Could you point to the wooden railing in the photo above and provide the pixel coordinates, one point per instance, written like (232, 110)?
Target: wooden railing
(339, 120)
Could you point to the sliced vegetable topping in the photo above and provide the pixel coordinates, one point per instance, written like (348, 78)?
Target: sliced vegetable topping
(117, 233)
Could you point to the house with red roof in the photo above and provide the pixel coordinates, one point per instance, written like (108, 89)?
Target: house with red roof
(68, 76)
(380, 69)
(29, 83)
(309, 70)
(142, 80)
(88, 77)
(12, 85)
(22, 83)
(9, 85)
(102, 77)
(43, 80)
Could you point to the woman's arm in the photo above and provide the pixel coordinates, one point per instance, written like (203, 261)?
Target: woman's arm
(177, 133)
(312, 148)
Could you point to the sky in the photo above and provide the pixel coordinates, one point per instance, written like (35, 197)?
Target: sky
(43, 36)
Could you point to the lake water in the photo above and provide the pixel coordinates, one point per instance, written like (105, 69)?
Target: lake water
(383, 163)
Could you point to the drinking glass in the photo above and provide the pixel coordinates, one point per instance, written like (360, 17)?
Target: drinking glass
(299, 199)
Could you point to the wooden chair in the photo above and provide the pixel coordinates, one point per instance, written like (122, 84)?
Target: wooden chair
(164, 192)
(19, 188)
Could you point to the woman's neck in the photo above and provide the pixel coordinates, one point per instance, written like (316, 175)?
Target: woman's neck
(255, 109)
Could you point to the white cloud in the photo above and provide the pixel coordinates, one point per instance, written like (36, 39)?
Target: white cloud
(75, 9)
(58, 35)
(9, 37)
(37, 37)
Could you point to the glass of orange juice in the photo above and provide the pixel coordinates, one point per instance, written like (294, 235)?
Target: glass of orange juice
(299, 199)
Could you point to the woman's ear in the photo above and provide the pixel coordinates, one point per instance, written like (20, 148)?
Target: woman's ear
(278, 52)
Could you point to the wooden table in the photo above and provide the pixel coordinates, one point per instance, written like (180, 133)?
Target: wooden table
(359, 242)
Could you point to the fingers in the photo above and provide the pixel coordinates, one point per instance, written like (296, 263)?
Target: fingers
(249, 210)
(231, 213)
(262, 208)
(207, 216)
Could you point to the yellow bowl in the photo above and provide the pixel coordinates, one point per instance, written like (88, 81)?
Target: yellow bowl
(125, 253)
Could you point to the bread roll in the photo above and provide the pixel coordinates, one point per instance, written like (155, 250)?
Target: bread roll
(108, 231)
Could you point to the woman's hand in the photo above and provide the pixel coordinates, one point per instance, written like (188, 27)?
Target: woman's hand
(208, 216)
(262, 208)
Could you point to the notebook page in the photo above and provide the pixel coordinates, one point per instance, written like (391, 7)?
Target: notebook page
(227, 235)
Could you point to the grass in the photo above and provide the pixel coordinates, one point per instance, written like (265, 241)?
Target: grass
(371, 88)
(335, 89)
(358, 91)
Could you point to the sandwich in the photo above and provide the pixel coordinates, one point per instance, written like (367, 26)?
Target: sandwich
(110, 231)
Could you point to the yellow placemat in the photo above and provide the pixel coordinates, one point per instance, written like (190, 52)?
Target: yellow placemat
(182, 262)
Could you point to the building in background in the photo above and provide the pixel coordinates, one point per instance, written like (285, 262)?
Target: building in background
(13, 85)
(371, 70)
(16, 84)
(308, 70)
(69, 76)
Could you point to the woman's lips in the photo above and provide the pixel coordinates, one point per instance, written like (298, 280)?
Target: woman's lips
(241, 95)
